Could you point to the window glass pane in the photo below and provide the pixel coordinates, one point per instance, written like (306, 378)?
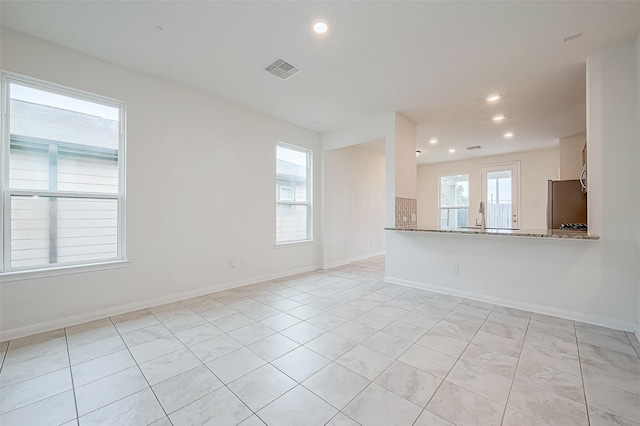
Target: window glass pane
(499, 206)
(454, 191)
(291, 172)
(61, 143)
(51, 230)
(291, 223)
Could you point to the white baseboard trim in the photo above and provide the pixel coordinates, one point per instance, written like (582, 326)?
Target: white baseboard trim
(539, 309)
(43, 327)
(353, 259)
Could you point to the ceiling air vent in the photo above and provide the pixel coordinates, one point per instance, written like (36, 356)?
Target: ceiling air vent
(471, 148)
(282, 69)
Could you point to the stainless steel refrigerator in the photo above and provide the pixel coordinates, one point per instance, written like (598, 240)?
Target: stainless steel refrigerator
(567, 203)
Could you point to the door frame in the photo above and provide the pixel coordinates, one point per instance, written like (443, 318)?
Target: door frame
(514, 167)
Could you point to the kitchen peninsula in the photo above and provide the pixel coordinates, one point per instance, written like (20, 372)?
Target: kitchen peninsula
(527, 233)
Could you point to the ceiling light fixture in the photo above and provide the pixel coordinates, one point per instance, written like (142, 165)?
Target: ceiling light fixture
(433, 141)
(493, 98)
(418, 153)
(320, 27)
(498, 117)
(452, 150)
(508, 135)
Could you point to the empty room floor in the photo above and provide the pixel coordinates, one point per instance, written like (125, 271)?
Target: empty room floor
(334, 347)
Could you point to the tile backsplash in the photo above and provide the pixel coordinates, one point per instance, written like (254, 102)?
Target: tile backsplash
(406, 212)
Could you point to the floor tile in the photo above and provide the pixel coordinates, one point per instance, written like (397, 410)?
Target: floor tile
(441, 343)
(490, 360)
(58, 409)
(217, 313)
(252, 421)
(546, 406)
(327, 321)
(214, 348)
(427, 418)
(302, 332)
(273, 347)
(480, 381)
(261, 312)
(613, 400)
(432, 362)
(342, 419)
(261, 386)
(304, 312)
(611, 375)
(377, 406)
(365, 362)
(219, 408)
(472, 311)
(245, 305)
(134, 321)
(405, 331)
(205, 305)
(155, 348)
(598, 330)
(96, 350)
(14, 373)
(460, 330)
(236, 364)
(280, 321)
(372, 320)
(618, 359)
(169, 365)
(33, 390)
(516, 418)
(297, 407)
(183, 389)
(551, 357)
(232, 322)
(608, 342)
(418, 320)
(251, 333)
(463, 408)
(336, 385)
(37, 346)
(144, 335)
(185, 323)
(198, 334)
(498, 343)
(354, 331)
(285, 304)
(300, 363)
(512, 311)
(551, 380)
(408, 382)
(563, 332)
(109, 389)
(141, 408)
(504, 330)
(507, 319)
(602, 418)
(98, 368)
(90, 332)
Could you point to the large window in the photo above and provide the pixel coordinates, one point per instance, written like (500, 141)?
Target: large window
(293, 194)
(454, 201)
(62, 177)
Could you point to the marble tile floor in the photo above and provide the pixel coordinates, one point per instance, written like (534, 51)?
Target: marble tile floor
(336, 347)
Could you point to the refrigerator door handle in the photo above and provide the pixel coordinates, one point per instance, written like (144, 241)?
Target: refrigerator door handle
(582, 179)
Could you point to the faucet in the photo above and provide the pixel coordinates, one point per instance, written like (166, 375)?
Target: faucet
(483, 223)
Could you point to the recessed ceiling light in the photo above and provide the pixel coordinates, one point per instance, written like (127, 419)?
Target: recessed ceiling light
(508, 135)
(418, 153)
(493, 98)
(320, 27)
(499, 117)
(452, 150)
(433, 141)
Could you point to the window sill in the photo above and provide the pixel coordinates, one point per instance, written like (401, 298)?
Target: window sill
(294, 243)
(62, 270)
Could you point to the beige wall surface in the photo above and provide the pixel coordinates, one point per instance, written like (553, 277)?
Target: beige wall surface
(536, 167)
(570, 150)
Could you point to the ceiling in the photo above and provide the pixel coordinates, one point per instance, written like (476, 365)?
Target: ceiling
(434, 62)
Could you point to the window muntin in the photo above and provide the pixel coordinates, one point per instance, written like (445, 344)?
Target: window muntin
(293, 194)
(63, 176)
(454, 201)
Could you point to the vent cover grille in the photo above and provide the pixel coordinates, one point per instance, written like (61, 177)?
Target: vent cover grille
(282, 69)
(471, 148)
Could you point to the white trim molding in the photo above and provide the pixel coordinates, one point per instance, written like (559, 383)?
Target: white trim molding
(353, 259)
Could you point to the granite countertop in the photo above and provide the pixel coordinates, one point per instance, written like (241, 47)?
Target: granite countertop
(531, 233)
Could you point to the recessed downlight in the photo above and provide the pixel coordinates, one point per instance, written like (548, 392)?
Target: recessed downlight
(508, 135)
(433, 141)
(320, 27)
(493, 98)
(498, 117)
(452, 150)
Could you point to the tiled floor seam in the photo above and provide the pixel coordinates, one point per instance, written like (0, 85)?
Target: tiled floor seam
(73, 387)
(515, 371)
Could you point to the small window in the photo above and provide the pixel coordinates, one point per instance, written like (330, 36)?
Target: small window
(63, 176)
(293, 194)
(454, 201)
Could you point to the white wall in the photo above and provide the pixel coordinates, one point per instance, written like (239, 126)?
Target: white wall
(593, 281)
(354, 185)
(536, 167)
(200, 191)
(570, 152)
(638, 172)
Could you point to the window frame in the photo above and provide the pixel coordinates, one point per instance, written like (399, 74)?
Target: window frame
(6, 192)
(449, 208)
(309, 189)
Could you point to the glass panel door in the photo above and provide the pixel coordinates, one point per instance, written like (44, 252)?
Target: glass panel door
(500, 194)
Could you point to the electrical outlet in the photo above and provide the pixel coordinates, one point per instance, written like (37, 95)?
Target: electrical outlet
(454, 268)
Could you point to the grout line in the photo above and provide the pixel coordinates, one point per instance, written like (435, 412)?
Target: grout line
(515, 371)
(584, 388)
(73, 386)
